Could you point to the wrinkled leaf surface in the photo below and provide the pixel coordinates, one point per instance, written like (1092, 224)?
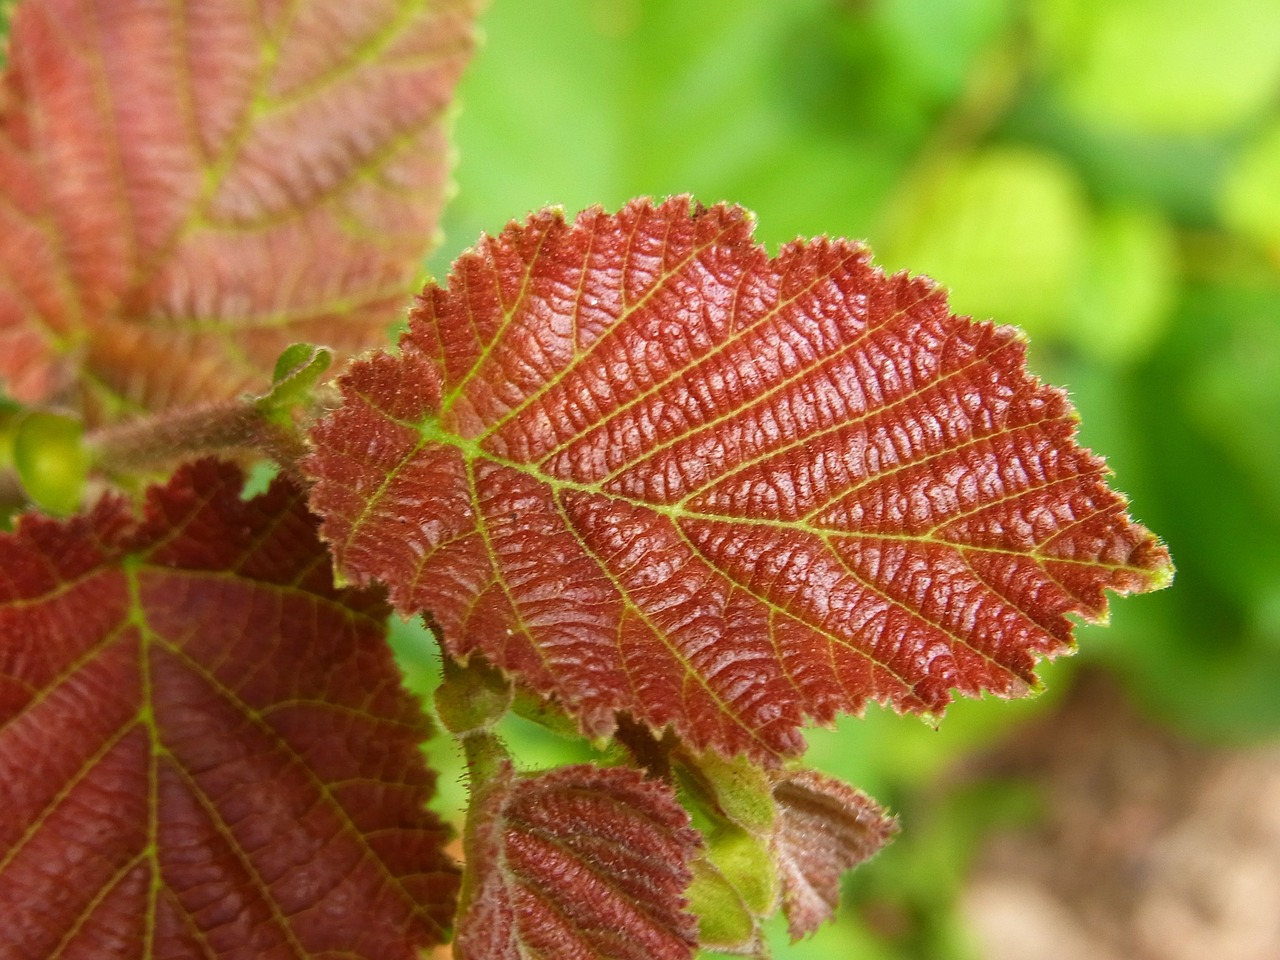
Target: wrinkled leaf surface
(648, 468)
(824, 827)
(205, 751)
(583, 862)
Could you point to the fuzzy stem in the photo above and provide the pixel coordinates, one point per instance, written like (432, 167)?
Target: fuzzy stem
(161, 439)
(12, 496)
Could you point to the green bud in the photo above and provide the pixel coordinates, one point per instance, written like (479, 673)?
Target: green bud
(472, 697)
(724, 921)
(51, 460)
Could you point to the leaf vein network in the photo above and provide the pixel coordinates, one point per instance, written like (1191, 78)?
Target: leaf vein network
(579, 356)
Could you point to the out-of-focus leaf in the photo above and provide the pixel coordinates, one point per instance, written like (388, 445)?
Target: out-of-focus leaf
(642, 465)
(825, 827)
(752, 100)
(1251, 196)
(1223, 377)
(1125, 168)
(638, 82)
(1233, 397)
(1163, 66)
(190, 187)
(1005, 230)
(583, 862)
(204, 748)
(1206, 657)
(1126, 291)
(942, 58)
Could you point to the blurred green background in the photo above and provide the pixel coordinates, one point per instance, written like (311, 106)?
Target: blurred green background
(1104, 173)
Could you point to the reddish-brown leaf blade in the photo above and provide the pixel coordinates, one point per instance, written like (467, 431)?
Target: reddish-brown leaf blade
(582, 863)
(650, 469)
(189, 187)
(204, 748)
(824, 827)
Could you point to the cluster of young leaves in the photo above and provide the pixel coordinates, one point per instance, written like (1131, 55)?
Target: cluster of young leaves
(643, 480)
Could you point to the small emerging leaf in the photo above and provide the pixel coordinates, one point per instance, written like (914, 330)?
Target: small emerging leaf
(582, 862)
(298, 370)
(300, 362)
(647, 468)
(737, 790)
(735, 888)
(726, 924)
(825, 827)
(736, 799)
(735, 880)
(205, 751)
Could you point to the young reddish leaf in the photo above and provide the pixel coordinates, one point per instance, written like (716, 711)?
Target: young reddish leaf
(650, 469)
(582, 863)
(204, 748)
(211, 181)
(824, 828)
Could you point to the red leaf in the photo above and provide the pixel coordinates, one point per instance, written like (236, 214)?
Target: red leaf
(204, 748)
(824, 828)
(581, 863)
(211, 181)
(652, 470)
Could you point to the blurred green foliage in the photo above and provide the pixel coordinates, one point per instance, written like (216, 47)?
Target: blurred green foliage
(1104, 173)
